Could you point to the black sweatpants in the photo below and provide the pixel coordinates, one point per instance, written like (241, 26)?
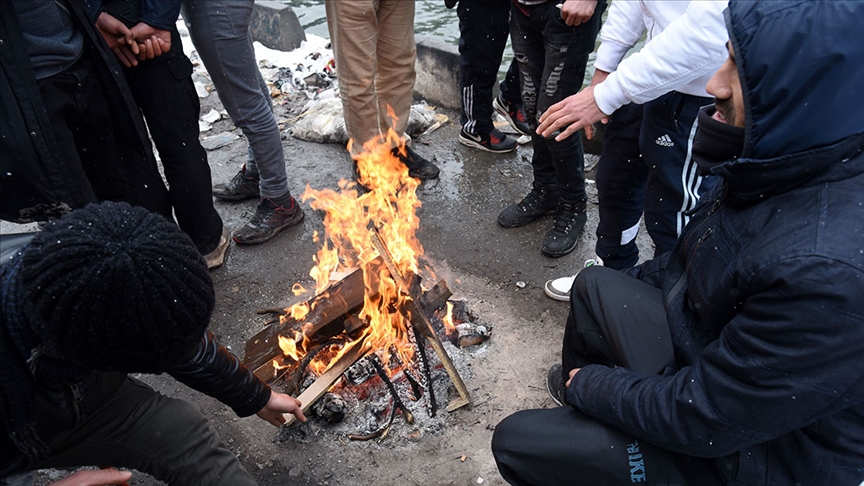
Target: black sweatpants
(484, 26)
(647, 166)
(614, 320)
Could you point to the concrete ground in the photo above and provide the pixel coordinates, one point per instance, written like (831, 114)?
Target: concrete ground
(499, 272)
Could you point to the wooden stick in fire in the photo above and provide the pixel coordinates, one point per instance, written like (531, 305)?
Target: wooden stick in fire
(425, 327)
(311, 395)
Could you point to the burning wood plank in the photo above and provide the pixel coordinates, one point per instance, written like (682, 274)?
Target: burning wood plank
(339, 298)
(357, 350)
(420, 321)
(324, 308)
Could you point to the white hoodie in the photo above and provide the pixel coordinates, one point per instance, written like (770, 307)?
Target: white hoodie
(686, 45)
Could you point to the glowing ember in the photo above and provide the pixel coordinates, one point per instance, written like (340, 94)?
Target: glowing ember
(389, 204)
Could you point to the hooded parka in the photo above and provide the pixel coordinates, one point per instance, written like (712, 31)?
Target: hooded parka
(764, 291)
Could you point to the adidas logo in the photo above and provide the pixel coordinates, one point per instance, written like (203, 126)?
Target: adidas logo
(665, 141)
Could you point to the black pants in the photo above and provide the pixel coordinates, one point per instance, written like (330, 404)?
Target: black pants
(483, 29)
(140, 428)
(552, 58)
(614, 320)
(164, 90)
(646, 166)
(117, 167)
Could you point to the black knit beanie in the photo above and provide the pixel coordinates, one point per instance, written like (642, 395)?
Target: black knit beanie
(116, 287)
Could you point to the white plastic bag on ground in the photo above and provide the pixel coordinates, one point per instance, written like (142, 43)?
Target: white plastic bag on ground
(322, 121)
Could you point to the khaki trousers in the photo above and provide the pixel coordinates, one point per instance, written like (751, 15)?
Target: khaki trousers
(373, 42)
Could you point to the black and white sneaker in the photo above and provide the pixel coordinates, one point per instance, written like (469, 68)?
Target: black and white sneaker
(555, 385)
(495, 141)
(513, 113)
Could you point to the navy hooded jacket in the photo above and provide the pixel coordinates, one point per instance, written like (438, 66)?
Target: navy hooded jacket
(764, 291)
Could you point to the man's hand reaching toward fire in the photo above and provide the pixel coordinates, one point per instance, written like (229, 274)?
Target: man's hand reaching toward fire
(279, 404)
(574, 112)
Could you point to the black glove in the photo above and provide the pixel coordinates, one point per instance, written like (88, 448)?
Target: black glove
(450, 3)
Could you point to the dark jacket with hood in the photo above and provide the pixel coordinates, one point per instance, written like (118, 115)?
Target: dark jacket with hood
(61, 404)
(37, 182)
(764, 291)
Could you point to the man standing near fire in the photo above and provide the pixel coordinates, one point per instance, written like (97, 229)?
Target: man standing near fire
(735, 358)
(105, 291)
(373, 43)
(651, 100)
(552, 42)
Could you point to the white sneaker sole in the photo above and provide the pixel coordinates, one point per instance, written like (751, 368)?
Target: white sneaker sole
(559, 288)
(471, 143)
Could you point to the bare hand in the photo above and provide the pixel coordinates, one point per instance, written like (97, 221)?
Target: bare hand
(95, 478)
(599, 77)
(152, 42)
(279, 404)
(572, 374)
(576, 12)
(119, 38)
(570, 114)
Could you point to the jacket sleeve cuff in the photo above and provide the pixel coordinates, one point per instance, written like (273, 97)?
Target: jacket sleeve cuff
(255, 404)
(609, 96)
(609, 55)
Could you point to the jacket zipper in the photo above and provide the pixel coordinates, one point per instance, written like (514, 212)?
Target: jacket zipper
(76, 402)
(679, 283)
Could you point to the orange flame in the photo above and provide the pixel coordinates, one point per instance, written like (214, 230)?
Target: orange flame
(389, 204)
(448, 319)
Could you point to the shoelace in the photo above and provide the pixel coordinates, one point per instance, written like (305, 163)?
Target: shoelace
(564, 218)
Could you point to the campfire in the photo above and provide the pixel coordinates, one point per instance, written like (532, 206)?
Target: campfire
(369, 306)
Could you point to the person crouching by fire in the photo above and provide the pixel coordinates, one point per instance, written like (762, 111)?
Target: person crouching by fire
(107, 290)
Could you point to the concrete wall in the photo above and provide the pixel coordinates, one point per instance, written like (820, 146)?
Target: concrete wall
(437, 73)
(276, 26)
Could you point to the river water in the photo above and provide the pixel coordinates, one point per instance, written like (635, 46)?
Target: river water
(432, 18)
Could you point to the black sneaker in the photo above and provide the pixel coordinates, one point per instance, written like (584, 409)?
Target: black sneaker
(538, 203)
(565, 232)
(241, 186)
(495, 141)
(268, 221)
(418, 167)
(555, 385)
(513, 113)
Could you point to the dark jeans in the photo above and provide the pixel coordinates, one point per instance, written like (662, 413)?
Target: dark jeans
(483, 29)
(646, 166)
(164, 90)
(220, 31)
(552, 58)
(141, 429)
(614, 320)
(118, 168)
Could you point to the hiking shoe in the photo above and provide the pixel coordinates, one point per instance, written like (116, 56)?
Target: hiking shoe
(555, 385)
(559, 288)
(513, 113)
(495, 141)
(241, 186)
(565, 232)
(538, 203)
(216, 257)
(268, 221)
(418, 167)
